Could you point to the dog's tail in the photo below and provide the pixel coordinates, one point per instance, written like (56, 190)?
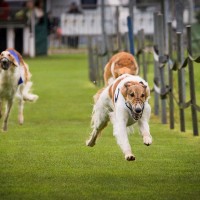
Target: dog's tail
(27, 96)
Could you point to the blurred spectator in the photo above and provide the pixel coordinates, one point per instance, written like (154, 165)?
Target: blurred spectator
(25, 12)
(54, 30)
(4, 10)
(197, 16)
(73, 8)
(4, 15)
(50, 23)
(39, 13)
(73, 41)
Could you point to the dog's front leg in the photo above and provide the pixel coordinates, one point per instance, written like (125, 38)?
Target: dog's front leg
(120, 132)
(7, 112)
(144, 126)
(21, 111)
(144, 130)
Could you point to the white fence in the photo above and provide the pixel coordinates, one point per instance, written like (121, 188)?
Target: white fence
(89, 22)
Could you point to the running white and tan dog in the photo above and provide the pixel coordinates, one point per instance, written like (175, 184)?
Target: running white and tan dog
(124, 102)
(14, 82)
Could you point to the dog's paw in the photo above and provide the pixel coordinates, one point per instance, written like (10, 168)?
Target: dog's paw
(90, 143)
(4, 128)
(129, 157)
(147, 140)
(21, 119)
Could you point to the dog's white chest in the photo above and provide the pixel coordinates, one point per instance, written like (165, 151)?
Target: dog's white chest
(8, 87)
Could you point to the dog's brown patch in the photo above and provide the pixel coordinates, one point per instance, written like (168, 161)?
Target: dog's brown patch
(113, 87)
(123, 63)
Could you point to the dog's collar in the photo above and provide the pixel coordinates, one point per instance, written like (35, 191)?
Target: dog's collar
(117, 95)
(20, 81)
(14, 54)
(136, 116)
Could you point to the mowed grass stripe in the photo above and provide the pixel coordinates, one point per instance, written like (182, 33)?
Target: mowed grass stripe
(46, 158)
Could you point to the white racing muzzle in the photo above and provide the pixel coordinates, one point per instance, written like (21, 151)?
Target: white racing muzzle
(136, 111)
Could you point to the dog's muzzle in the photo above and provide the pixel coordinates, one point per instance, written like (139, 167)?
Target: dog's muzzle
(5, 63)
(136, 111)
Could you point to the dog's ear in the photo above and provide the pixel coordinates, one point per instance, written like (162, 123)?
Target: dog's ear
(125, 88)
(0, 62)
(2, 54)
(128, 84)
(13, 60)
(147, 90)
(142, 84)
(15, 56)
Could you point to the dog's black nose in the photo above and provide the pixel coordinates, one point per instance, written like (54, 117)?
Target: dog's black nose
(138, 110)
(5, 63)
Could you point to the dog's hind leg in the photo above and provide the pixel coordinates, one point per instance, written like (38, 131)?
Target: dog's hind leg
(100, 118)
(0, 109)
(21, 111)
(20, 97)
(96, 131)
(7, 112)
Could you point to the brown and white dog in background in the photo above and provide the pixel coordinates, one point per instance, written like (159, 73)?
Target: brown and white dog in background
(14, 82)
(120, 63)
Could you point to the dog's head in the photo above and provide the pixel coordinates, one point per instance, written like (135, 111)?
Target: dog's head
(9, 58)
(135, 94)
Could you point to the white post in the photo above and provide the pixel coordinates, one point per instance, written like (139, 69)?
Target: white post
(32, 46)
(191, 11)
(10, 38)
(26, 45)
(32, 36)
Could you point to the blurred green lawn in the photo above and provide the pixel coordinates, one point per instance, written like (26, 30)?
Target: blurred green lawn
(46, 158)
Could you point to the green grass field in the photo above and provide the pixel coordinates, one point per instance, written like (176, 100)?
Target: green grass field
(46, 158)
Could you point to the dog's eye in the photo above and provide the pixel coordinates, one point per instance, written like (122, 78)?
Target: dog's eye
(142, 95)
(132, 94)
(8, 54)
